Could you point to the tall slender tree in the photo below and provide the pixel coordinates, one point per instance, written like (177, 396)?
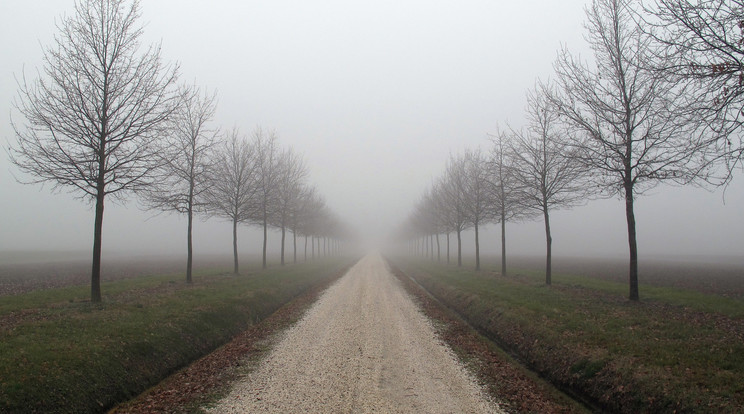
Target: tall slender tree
(478, 197)
(292, 173)
(94, 116)
(546, 171)
(267, 158)
(503, 187)
(232, 189)
(454, 189)
(182, 177)
(625, 119)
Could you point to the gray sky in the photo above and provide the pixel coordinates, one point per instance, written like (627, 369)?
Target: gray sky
(375, 94)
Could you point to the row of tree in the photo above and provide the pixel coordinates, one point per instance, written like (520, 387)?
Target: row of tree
(661, 102)
(108, 119)
(243, 179)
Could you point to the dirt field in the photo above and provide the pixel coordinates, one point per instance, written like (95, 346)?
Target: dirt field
(364, 347)
(25, 272)
(717, 275)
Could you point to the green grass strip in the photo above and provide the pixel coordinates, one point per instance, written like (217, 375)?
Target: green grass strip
(675, 350)
(60, 353)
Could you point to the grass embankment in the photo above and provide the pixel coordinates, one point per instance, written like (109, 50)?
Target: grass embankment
(60, 353)
(675, 351)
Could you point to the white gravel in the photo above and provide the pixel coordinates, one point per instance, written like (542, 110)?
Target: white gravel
(364, 347)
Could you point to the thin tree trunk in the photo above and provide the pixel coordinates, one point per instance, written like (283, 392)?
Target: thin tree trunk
(95, 274)
(306, 247)
(459, 248)
(632, 244)
(265, 238)
(284, 232)
(477, 247)
(439, 251)
(448, 248)
(431, 243)
(503, 243)
(189, 246)
(190, 214)
(549, 247)
(294, 244)
(235, 245)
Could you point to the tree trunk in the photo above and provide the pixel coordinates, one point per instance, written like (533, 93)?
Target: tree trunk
(632, 244)
(189, 246)
(312, 240)
(548, 247)
(439, 250)
(477, 247)
(503, 244)
(459, 248)
(95, 274)
(265, 225)
(294, 244)
(283, 238)
(448, 248)
(235, 245)
(190, 225)
(306, 248)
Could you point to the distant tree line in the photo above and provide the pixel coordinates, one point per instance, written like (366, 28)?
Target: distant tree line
(107, 118)
(662, 101)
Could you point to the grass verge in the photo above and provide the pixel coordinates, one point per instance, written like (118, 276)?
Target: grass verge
(675, 351)
(512, 386)
(60, 353)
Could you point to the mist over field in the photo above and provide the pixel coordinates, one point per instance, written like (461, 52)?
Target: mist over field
(375, 97)
(409, 206)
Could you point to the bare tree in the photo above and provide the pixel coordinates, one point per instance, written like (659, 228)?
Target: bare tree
(626, 119)
(478, 200)
(311, 208)
(290, 182)
(547, 173)
(268, 155)
(453, 187)
(435, 216)
(422, 224)
(444, 214)
(184, 159)
(232, 189)
(299, 216)
(93, 117)
(702, 43)
(503, 187)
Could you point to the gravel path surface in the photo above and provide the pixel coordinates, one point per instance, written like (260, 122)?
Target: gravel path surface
(363, 347)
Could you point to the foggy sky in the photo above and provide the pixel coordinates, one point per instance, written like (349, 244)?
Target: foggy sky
(375, 95)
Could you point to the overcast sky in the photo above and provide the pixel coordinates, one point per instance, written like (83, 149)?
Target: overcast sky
(375, 94)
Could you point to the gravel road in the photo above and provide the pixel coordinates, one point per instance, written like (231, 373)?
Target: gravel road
(363, 347)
